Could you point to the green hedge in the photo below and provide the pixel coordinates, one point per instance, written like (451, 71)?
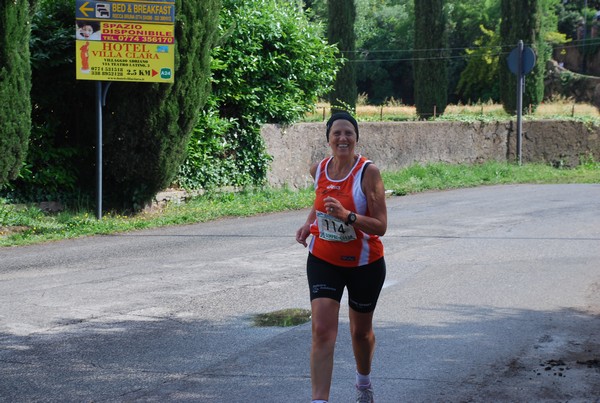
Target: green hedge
(15, 87)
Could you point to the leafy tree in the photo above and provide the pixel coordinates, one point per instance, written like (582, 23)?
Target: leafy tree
(479, 79)
(573, 16)
(384, 39)
(271, 67)
(61, 144)
(465, 17)
(15, 87)
(430, 60)
(473, 29)
(340, 31)
(383, 46)
(531, 21)
(316, 10)
(273, 63)
(569, 15)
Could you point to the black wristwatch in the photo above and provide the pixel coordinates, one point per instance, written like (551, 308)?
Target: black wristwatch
(351, 219)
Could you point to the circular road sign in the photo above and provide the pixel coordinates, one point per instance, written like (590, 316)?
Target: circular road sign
(527, 60)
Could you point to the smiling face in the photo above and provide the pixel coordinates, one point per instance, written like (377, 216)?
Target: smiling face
(342, 138)
(86, 31)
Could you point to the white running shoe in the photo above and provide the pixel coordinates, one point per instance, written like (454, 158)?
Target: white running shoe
(364, 395)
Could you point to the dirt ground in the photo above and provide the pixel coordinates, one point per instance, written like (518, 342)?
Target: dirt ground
(561, 367)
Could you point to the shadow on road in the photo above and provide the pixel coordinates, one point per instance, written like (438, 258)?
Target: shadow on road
(159, 359)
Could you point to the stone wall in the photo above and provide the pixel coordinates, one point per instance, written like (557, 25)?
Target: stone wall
(395, 145)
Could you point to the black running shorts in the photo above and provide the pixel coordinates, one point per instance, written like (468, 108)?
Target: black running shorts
(364, 283)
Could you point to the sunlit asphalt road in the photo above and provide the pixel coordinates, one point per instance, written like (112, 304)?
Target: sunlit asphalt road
(492, 294)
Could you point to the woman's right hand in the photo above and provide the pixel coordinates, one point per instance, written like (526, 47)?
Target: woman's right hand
(303, 233)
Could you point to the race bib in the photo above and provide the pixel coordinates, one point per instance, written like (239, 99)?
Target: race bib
(333, 229)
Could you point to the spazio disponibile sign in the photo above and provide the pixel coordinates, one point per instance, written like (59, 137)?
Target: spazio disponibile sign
(125, 40)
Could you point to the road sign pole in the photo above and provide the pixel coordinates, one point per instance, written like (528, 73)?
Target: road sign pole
(520, 80)
(521, 61)
(99, 150)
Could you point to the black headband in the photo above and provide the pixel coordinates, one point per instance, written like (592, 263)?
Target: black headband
(338, 116)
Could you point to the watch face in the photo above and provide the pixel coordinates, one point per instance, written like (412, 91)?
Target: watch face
(351, 218)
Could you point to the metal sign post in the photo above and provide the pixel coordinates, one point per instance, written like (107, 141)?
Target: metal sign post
(101, 91)
(520, 62)
(99, 150)
(520, 88)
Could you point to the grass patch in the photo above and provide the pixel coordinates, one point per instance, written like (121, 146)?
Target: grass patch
(439, 176)
(392, 110)
(23, 225)
(38, 226)
(283, 318)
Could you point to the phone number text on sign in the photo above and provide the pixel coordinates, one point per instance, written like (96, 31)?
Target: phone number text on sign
(160, 34)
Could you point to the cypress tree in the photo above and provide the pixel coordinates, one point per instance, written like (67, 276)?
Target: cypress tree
(340, 31)
(430, 64)
(521, 20)
(15, 87)
(148, 126)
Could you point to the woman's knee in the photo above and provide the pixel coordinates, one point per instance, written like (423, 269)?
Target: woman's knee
(324, 332)
(325, 319)
(362, 334)
(361, 325)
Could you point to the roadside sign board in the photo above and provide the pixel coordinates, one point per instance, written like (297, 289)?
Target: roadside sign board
(527, 60)
(127, 40)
